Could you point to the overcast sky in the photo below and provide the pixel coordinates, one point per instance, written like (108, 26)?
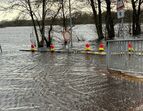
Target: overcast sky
(11, 16)
(4, 15)
(7, 16)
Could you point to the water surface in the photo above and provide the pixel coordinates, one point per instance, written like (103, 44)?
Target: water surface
(59, 82)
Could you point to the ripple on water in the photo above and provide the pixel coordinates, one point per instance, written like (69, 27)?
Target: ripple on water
(60, 82)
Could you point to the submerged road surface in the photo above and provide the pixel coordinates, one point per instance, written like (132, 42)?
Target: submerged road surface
(63, 82)
(59, 82)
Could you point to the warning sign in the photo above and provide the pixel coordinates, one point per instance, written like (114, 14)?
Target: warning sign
(120, 5)
(120, 9)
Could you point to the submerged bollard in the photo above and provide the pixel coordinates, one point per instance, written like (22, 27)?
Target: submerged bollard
(33, 47)
(130, 47)
(87, 47)
(52, 47)
(101, 47)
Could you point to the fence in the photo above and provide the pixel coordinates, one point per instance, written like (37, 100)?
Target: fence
(125, 55)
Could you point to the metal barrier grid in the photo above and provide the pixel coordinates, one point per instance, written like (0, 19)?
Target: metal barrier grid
(125, 55)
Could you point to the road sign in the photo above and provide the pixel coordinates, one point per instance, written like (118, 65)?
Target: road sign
(120, 5)
(120, 9)
(120, 13)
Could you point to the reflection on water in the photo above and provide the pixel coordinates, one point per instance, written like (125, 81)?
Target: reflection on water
(61, 82)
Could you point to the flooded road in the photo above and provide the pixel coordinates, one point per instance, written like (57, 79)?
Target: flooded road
(61, 82)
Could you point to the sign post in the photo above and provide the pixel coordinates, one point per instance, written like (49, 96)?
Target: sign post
(120, 15)
(70, 23)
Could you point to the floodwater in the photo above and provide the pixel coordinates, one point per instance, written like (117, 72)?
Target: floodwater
(59, 82)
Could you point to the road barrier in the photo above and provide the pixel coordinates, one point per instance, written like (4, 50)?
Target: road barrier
(125, 55)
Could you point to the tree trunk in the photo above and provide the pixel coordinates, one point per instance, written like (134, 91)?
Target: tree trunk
(64, 18)
(136, 26)
(51, 28)
(100, 20)
(97, 19)
(43, 23)
(34, 24)
(109, 21)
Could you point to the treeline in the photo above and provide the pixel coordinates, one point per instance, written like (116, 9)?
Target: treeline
(77, 18)
(58, 12)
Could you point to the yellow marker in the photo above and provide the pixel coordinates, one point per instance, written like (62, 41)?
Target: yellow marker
(87, 47)
(52, 48)
(101, 47)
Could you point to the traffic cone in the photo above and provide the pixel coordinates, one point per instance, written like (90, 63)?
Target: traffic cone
(101, 47)
(87, 47)
(52, 47)
(130, 47)
(33, 47)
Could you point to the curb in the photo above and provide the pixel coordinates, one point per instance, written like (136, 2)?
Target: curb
(67, 51)
(126, 75)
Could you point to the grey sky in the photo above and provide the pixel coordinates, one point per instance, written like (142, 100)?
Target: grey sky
(11, 16)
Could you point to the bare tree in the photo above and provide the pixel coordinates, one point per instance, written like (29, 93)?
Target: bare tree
(37, 10)
(29, 8)
(109, 20)
(97, 17)
(136, 25)
(63, 12)
(51, 27)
